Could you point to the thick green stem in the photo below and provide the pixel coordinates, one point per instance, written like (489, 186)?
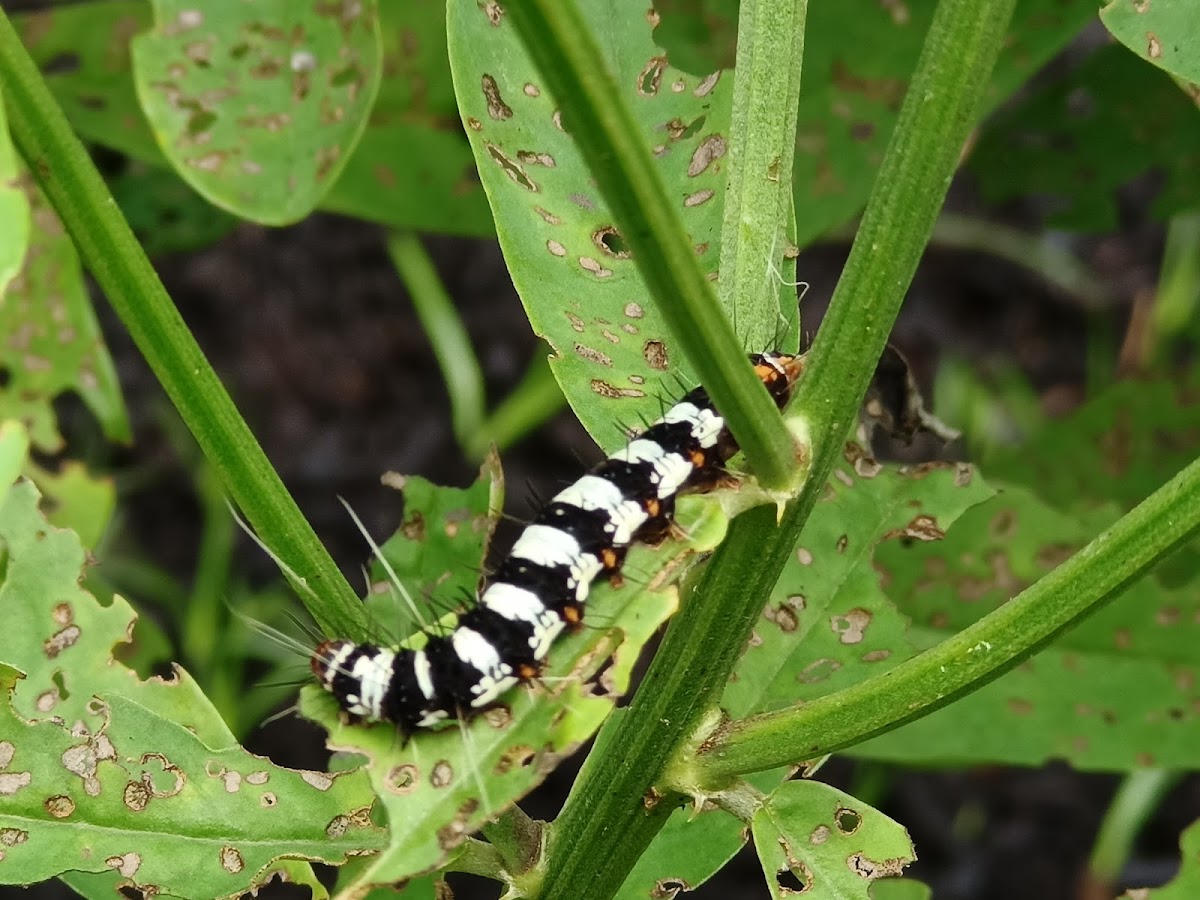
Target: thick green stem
(65, 173)
(613, 812)
(762, 145)
(976, 655)
(605, 825)
(571, 64)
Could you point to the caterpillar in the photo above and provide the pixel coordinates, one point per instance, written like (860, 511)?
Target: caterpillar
(540, 588)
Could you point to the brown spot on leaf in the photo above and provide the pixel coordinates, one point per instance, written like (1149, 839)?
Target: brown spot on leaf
(818, 670)
(669, 888)
(61, 640)
(1019, 707)
(402, 779)
(59, 806)
(136, 796)
(851, 627)
(820, 835)
(496, 107)
(698, 198)
(655, 354)
(127, 864)
(442, 774)
(556, 248)
(610, 242)
(612, 392)
(535, 158)
(1153, 45)
(634, 311)
(594, 266)
(593, 355)
(922, 528)
(804, 557)
(231, 860)
(452, 834)
(547, 216)
(871, 869)
(650, 78)
(11, 782)
(711, 149)
(10, 837)
(516, 757)
(512, 169)
(322, 781)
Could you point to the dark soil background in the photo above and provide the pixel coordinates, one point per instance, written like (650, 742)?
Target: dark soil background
(317, 341)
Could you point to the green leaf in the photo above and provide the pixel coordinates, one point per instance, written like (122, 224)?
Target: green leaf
(1186, 884)
(859, 57)
(1165, 33)
(443, 784)
(14, 209)
(72, 498)
(1079, 139)
(143, 795)
(614, 358)
(437, 549)
(900, 889)
(413, 167)
(14, 447)
(83, 50)
(831, 843)
(1118, 447)
(165, 213)
(828, 623)
(1118, 691)
(53, 341)
(259, 108)
(62, 639)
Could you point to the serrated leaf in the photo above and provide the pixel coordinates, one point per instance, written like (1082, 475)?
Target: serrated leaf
(142, 795)
(72, 498)
(613, 356)
(1079, 139)
(52, 341)
(14, 209)
(831, 843)
(66, 638)
(828, 624)
(445, 783)
(1186, 884)
(1165, 33)
(259, 106)
(1116, 692)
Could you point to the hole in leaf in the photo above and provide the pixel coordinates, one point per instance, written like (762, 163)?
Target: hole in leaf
(692, 129)
(847, 820)
(609, 240)
(791, 880)
(61, 685)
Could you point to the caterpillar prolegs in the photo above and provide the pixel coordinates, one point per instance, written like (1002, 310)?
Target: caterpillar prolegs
(541, 587)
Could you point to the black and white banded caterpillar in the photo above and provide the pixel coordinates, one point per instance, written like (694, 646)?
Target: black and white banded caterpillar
(540, 588)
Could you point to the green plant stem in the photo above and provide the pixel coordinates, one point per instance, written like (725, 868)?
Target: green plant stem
(973, 657)
(1178, 292)
(106, 244)
(939, 110)
(517, 838)
(566, 53)
(605, 824)
(1137, 798)
(445, 330)
(534, 400)
(762, 144)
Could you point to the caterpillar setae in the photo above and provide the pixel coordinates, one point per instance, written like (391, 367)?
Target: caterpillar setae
(542, 585)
